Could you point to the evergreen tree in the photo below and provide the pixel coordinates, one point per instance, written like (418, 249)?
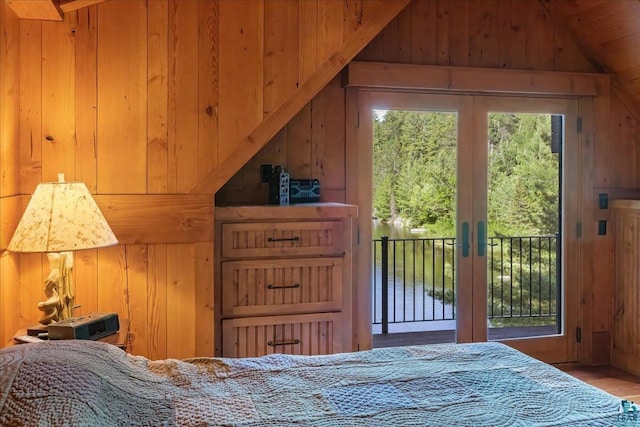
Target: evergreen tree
(415, 172)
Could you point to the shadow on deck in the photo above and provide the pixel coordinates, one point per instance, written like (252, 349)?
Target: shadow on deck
(449, 336)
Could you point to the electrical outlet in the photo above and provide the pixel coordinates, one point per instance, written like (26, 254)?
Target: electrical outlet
(602, 227)
(265, 172)
(603, 201)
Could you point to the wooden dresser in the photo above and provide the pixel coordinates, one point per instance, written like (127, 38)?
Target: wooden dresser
(283, 279)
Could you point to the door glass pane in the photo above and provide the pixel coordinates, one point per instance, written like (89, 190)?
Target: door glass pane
(524, 225)
(414, 227)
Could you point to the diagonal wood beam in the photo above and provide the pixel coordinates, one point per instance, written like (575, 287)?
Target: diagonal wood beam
(262, 134)
(70, 5)
(47, 10)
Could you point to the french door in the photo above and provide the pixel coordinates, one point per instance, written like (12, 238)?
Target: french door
(479, 245)
(537, 288)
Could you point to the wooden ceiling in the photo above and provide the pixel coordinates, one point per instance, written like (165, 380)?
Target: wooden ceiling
(608, 31)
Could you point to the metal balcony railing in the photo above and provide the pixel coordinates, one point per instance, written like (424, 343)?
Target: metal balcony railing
(414, 280)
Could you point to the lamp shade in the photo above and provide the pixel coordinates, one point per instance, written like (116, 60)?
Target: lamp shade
(61, 216)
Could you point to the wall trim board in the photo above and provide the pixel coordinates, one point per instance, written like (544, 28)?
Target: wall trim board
(159, 218)
(142, 218)
(382, 75)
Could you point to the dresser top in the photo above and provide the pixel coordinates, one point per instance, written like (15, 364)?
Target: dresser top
(295, 211)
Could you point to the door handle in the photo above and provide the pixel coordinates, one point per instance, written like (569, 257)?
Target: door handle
(482, 238)
(465, 239)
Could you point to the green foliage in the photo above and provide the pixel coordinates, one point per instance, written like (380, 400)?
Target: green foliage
(523, 175)
(415, 155)
(415, 172)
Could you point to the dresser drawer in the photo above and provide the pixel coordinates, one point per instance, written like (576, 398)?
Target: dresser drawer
(299, 238)
(287, 286)
(307, 334)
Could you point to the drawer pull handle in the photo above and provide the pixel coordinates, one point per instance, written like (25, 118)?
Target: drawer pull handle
(294, 286)
(275, 343)
(283, 239)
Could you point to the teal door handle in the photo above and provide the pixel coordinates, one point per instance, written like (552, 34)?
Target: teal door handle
(482, 238)
(465, 239)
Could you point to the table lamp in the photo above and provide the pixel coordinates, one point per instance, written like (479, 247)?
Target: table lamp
(61, 217)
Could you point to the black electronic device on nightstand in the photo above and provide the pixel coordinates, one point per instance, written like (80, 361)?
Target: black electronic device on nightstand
(91, 326)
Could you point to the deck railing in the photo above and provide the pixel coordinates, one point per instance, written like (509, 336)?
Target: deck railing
(414, 279)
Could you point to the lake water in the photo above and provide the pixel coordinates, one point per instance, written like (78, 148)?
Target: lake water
(415, 279)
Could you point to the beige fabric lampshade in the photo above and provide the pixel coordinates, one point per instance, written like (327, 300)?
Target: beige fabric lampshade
(61, 216)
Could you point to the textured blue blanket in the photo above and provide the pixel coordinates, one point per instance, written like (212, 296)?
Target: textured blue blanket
(484, 384)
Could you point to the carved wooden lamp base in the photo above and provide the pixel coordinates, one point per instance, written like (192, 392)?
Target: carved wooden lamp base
(58, 288)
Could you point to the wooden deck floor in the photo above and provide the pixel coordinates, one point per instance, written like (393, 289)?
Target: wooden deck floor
(609, 379)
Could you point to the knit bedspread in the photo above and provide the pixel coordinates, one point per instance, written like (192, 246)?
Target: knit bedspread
(87, 383)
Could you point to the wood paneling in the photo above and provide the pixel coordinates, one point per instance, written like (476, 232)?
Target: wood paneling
(58, 99)
(609, 34)
(240, 91)
(515, 34)
(281, 46)
(310, 146)
(466, 33)
(511, 34)
(122, 97)
(10, 289)
(141, 100)
(183, 96)
(9, 102)
(86, 93)
(208, 67)
(157, 97)
(625, 349)
(30, 98)
(148, 98)
(249, 145)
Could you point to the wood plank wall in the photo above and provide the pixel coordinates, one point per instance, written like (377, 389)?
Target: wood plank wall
(516, 34)
(10, 293)
(145, 98)
(140, 100)
(625, 348)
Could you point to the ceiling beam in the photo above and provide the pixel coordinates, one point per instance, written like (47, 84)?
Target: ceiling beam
(271, 125)
(47, 10)
(70, 5)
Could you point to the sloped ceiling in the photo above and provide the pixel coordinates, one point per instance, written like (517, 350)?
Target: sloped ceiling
(608, 32)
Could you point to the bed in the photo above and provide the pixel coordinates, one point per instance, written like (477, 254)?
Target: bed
(87, 383)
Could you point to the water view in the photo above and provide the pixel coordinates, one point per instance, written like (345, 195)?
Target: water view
(421, 278)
